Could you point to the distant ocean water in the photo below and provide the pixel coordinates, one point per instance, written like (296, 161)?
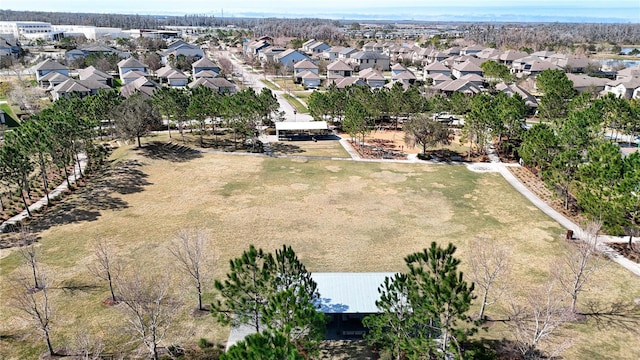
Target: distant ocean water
(502, 14)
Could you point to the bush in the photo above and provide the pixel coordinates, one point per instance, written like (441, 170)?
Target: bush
(204, 343)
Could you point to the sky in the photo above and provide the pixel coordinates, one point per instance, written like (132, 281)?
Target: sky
(496, 10)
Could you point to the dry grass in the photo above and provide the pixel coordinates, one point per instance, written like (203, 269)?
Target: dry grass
(322, 148)
(337, 215)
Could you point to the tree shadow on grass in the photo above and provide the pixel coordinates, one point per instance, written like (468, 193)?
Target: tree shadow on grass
(619, 314)
(158, 150)
(72, 286)
(281, 148)
(87, 203)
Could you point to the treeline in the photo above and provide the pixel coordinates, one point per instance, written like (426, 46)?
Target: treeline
(548, 36)
(124, 21)
(70, 128)
(319, 29)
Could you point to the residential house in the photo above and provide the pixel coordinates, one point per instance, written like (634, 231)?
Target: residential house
(452, 51)
(205, 65)
(628, 72)
(570, 64)
(346, 53)
(530, 65)
(373, 46)
(221, 85)
(489, 54)
(370, 59)
(508, 57)
(52, 79)
(131, 65)
(141, 85)
(318, 48)
(475, 79)
(91, 73)
(471, 50)
(254, 47)
(582, 83)
(348, 81)
(172, 77)
(307, 44)
(465, 68)
(419, 56)
(436, 68)
(48, 66)
(544, 55)
(458, 85)
(9, 46)
(539, 66)
(308, 79)
(180, 48)
(372, 77)
(438, 78)
(400, 73)
(267, 54)
(289, 57)
(436, 56)
(338, 69)
(625, 88)
(512, 89)
(332, 53)
(304, 65)
(79, 88)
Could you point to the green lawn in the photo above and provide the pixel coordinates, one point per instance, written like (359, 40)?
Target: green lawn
(270, 85)
(9, 116)
(337, 215)
(296, 104)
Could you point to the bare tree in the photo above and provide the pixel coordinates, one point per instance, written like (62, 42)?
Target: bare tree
(105, 266)
(580, 263)
(225, 65)
(86, 346)
(535, 318)
(29, 252)
(489, 262)
(35, 305)
(149, 306)
(188, 250)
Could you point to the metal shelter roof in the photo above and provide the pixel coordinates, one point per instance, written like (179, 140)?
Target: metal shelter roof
(349, 292)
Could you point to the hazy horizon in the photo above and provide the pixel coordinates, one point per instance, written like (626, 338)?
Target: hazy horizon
(624, 11)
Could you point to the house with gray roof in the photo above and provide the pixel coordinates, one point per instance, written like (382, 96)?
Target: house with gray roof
(370, 59)
(346, 53)
(91, 73)
(141, 85)
(582, 83)
(338, 69)
(172, 77)
(130, 65)
(458, 85)
(332, 53)
(221, 85)
(52, 79)
(204, 64)
(48, 66)
(512, 89)
(465, 68)
(372, 77)
(624, 88)
(181, 48)
(80, 88)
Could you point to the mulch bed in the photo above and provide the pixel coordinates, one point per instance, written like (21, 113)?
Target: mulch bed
(632, 254)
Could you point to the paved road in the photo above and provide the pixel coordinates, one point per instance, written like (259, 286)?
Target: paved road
(254, 80)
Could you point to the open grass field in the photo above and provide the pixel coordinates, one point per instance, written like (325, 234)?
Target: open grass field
(337, 216)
